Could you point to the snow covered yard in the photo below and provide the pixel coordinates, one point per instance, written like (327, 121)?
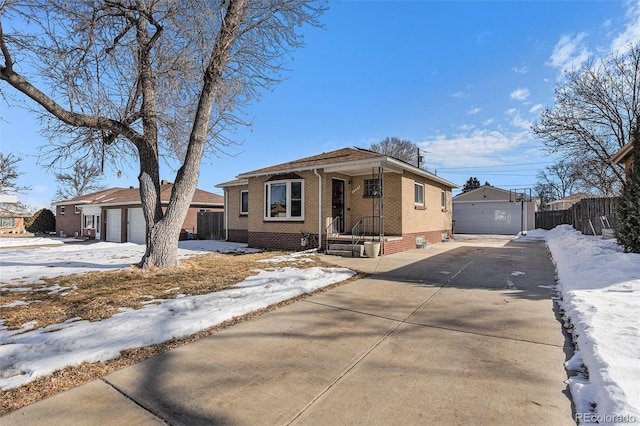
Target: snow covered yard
(31, 352)
(599, 286)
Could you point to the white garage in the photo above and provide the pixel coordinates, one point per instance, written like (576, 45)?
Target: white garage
(136, 226)
(490, 210)
(114, 223)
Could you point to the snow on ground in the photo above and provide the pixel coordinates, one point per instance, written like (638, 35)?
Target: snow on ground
(32, 241)
(28, 353)
(600, 289)
(22, 266)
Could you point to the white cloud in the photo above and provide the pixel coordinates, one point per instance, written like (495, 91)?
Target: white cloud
(631, 33)
(473, 111)
(569, 53)
(520, 94)
(521, 70)
(459, 94)
(510, 111)
(536, 107)
(489, 121)
(477, 147)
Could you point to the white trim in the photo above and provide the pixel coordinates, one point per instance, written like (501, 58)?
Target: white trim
(267, 200)
(244, 213)
(417, 203)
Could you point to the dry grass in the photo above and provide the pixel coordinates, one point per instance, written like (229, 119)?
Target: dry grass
(95, 296)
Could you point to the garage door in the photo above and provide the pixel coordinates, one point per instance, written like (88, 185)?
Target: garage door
(113, 225)
(487, 218)
(136, 231)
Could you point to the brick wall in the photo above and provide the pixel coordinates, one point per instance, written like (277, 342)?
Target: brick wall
(70, 222)
(276, 240)
(235, 220)
(238, 235)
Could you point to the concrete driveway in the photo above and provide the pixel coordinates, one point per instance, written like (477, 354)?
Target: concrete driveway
(462, 333)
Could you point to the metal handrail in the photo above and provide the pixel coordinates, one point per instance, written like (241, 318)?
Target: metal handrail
(366, 226)
(331, 230)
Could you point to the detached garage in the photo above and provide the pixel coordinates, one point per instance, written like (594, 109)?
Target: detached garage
(491, 210)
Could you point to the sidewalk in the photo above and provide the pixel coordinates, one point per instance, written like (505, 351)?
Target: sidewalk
(461, 333)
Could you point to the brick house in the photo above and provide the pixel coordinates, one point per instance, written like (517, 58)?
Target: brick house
(13, 215)
(341, 194)
(115, 214)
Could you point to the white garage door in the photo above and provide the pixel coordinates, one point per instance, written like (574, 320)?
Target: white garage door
(136, 232)
(113, 225)
(500, 217)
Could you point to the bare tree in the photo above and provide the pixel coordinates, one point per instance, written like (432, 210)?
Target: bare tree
(83, 178)
(595, 110)
(560, 180)
(9, 174)
(149, 80)
(404, 150)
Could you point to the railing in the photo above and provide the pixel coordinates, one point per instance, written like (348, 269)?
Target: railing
(333, 230)
(367, 226)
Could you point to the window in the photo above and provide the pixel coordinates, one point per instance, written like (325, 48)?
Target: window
(244, 202)
(78, 210)
(61, 209)
(372, 187)
(418, 190)
(89, 221)
(7, 222)
(284, 200)
(443, 200)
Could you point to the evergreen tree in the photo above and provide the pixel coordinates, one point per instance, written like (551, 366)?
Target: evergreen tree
(41, 222)
(627, 230)
(471, 184)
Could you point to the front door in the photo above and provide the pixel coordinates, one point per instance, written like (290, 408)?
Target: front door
(337, 203)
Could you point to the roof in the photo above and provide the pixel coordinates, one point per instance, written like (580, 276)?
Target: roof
(235, 182)
(621, 156)
(348, 161)
(13, 210)
(131, 195)
(485, 192)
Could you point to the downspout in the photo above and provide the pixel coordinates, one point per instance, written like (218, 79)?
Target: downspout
(315, 171)
(226, 215)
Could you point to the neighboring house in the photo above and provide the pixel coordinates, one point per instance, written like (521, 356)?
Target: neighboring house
(12, 215)
(567, 202)
(491, 210)
(115, 214)
(625, 155)
(337, 194)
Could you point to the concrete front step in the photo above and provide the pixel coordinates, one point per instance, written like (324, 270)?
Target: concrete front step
(346, 250)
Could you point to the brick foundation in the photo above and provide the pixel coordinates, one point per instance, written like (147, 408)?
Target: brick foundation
(278, 241)
(408, 241)
(238, 235)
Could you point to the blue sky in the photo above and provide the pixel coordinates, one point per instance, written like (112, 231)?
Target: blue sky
(463, 80)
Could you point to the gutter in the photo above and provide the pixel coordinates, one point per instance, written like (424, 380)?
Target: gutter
(315, 171)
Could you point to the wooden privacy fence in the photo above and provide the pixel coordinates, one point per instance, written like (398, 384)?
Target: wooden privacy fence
(584, 215)
(210, 225)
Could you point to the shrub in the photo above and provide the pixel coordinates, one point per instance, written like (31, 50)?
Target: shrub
(41, 222)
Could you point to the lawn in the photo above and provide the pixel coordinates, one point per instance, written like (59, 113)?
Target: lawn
(74, 312)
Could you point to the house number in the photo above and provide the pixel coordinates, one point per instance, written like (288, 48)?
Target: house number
(356, 189)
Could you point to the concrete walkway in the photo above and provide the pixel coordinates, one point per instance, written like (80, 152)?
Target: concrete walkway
(461, 333)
